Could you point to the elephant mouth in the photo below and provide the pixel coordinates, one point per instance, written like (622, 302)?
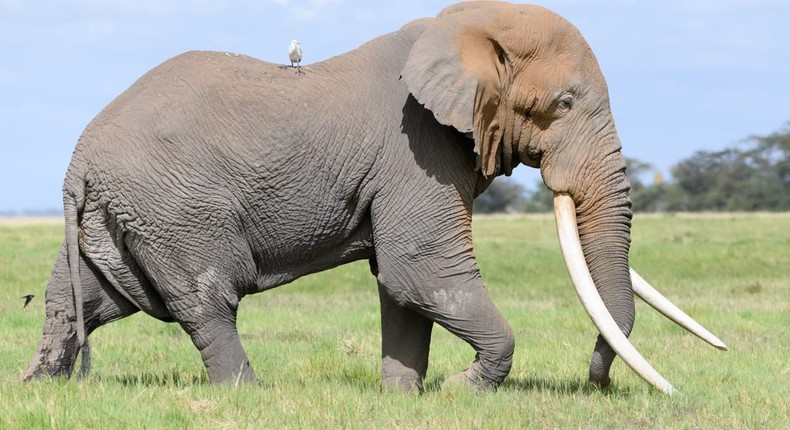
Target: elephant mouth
(565, 216)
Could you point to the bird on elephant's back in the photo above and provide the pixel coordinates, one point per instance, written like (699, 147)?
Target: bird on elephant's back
(218, 175)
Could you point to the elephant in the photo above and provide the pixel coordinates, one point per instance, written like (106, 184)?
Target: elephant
(217, 175)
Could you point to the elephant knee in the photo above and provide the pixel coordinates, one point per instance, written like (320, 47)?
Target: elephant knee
(508, 342)
(506, 346)
(497, 357)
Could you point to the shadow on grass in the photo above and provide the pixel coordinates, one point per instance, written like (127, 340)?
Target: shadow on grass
(183, 380)
(548, 385)
(171, 379)
(564, 387)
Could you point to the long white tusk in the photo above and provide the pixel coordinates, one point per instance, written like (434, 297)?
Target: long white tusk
(565, 215)
(660, 303)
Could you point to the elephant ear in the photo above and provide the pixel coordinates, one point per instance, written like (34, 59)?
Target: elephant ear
(458, 71)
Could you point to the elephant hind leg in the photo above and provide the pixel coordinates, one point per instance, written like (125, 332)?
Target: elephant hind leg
(222, 353)
(405, 344)
(208, 315)
(57, 349)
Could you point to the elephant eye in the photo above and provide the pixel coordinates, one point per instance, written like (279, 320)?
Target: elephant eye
(565, 103)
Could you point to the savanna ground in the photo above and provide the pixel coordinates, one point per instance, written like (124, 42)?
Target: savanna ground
(315, 343)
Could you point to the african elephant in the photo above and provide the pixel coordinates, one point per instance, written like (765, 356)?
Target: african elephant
(217, 175)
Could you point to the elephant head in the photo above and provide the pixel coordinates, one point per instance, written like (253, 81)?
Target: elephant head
(525, 86)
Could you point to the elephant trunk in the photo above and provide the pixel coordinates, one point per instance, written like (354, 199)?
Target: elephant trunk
(595, 240)
(604, 235)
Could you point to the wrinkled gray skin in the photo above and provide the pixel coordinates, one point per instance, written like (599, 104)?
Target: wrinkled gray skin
(217, 175)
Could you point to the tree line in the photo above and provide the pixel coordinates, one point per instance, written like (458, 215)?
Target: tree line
(754, 175)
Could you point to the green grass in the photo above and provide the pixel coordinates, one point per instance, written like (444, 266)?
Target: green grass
(315, 344)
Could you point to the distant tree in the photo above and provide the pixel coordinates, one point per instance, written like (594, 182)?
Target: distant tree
(771, 160)
(754, 178)
(503, 195)
(539, 199)
(710, 180)
(635, 169)
(644, 197)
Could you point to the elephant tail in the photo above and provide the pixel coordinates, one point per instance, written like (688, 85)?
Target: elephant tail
(71, 204)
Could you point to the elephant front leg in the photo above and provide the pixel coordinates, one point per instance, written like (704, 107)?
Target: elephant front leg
(461, 305)
(425, 263)
(405, 344)
(470, 314)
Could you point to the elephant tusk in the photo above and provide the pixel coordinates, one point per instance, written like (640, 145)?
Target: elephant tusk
(660, 303)
(565, 215)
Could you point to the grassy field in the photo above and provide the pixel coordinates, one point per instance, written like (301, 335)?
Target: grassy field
(315, 344)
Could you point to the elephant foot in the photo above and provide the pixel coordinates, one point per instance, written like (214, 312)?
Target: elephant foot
(224, 357)
(600, 383)
(399, 377)
(402, 385)
(601, 363)
(57, 349)
(231, 369)
(470, 378)
(55, 357)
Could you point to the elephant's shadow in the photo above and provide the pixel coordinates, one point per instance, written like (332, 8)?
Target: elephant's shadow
(174, 378)
(522, 384)
(566, 386)
(534, 384)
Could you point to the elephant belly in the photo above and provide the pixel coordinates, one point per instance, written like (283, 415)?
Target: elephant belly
(289, 263)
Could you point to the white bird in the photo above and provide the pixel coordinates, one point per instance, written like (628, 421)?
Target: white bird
(295, 53)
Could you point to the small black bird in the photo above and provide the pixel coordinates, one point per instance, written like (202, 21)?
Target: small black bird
(27, 298)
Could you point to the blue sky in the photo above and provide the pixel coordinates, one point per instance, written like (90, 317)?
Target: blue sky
(683, 75)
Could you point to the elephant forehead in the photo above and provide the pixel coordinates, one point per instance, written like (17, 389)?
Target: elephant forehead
(538, 34)
(540, 84)
(544, 77)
